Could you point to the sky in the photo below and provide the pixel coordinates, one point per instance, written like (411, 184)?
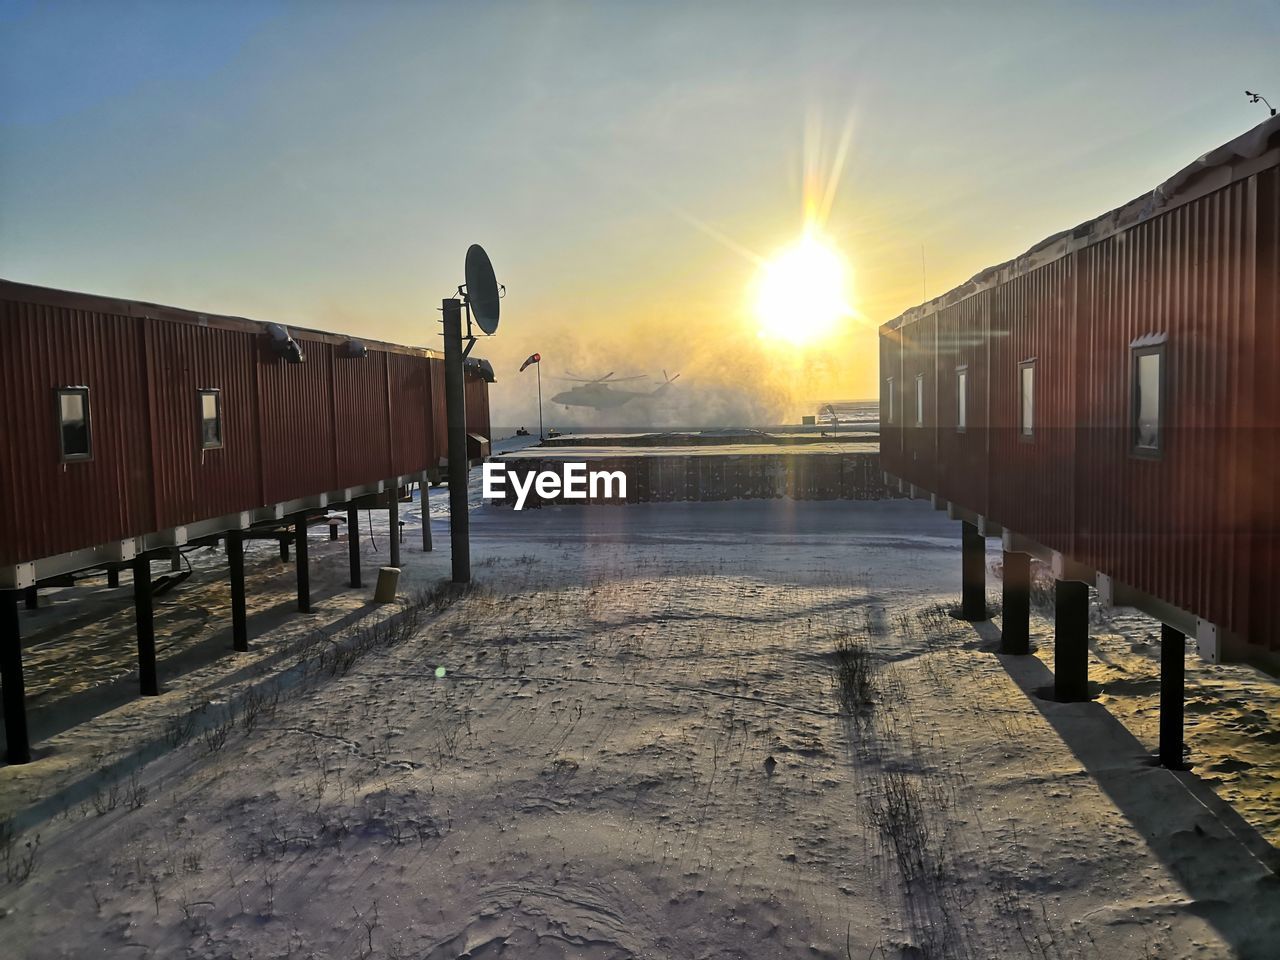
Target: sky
(628, 166)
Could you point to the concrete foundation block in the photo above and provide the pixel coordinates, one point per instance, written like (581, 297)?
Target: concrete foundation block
(388, 583)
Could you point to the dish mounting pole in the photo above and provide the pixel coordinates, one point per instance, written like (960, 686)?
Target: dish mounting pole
(456, 412)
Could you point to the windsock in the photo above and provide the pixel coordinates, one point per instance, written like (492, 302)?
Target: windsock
(533, 358)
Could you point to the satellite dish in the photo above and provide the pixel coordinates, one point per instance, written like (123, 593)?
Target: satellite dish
(482, 289)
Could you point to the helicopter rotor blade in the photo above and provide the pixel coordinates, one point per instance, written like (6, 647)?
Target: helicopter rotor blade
(607, 379)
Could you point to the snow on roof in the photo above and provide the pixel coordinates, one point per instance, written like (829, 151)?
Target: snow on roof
(1212, 171)
(101, 303)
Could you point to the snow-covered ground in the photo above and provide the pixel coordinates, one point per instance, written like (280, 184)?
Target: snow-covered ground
(627, 741)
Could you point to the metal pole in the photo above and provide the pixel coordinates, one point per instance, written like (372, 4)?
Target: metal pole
(353, 544)
(11, 684)
(303, 570)
(1173, 651)
(32, 597)
(973, 573)
(540, 431)
(1015, 616)
(113, 577)
(147, 682)
(423, 487)
(239, 619)
(455, 403)
(393, 522)
(1071, 641)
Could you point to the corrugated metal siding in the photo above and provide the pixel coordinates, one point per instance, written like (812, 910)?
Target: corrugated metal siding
(296, 423)
(1169, 526)
(891, 400)
(1199, 527)
(361, 403)
(289, 430)
(919, 362)
(439, 413)
(1032, 316)
(1261, 438)
(190, 483)
(411, 425)
(963, 341)
(49, 507)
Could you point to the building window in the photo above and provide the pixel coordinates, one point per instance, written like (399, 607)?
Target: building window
(210, 419)
(889, 390)
(1027, 396)
(1148, 401)
(962, 398)
(75, 437)
(920, 400)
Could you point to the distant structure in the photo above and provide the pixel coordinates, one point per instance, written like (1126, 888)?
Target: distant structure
(1109, 403)
(851, 413)
(601, 393)
(131, 429)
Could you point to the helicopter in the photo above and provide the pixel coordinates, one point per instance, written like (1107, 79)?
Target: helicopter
(601, 394)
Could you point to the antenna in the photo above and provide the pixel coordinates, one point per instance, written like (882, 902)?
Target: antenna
(482, 290)
(1255, 97)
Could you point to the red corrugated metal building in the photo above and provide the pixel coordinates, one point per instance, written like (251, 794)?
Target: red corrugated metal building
(351, 419)
(130, 429)
(1121, 406)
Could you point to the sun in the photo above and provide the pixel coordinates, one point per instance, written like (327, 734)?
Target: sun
(801, 292)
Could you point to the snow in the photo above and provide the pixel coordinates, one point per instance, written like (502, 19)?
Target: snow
(636, 750)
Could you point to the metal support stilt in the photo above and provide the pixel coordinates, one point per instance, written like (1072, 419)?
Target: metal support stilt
(239, 618)
(17, 741)
(1173, 649)
(148, 684)
(393, 523)
(1015, 616)
(423, 487)
(353, 544)
(1071, 640)
(302, 567)
(973, 573)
